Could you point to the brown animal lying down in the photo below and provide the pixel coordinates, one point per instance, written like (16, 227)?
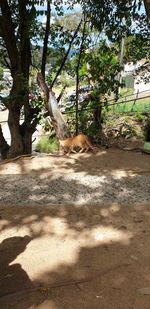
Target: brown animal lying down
(80, 141)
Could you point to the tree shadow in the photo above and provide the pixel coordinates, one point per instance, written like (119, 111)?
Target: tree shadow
(87, 178)
(56, 189)
(79, 257)
(93, 254)
(101, 162)
(15, 284)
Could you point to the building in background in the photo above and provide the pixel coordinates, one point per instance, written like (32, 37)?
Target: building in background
(140, 75)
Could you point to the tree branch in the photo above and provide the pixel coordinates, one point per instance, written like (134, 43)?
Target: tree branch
(47, 30)
(43, 85)
(8, 35)
(66, 55)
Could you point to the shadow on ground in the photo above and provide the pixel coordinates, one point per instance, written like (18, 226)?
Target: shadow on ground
(100, 178)
(84, 257)
(75, 256)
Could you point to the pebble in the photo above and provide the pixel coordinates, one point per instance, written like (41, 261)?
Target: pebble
(73, 188)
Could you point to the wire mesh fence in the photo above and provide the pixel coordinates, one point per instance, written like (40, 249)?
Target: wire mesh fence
(139, 102)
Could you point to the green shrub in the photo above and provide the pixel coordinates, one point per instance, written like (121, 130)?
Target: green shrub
(139, 117)
(47, 144)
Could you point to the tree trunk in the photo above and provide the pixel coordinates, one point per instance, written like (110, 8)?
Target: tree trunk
(58, 122)
(47, 30)
(77, 74)
(97, 116)
(19, 52)
(21, 138)
(16, 147)
(4, 147)
(27, 142)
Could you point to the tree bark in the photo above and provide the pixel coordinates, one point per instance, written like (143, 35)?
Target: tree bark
(59, 124)
(77, 74)
(47, 30)
(16, 147)
(97, 116)
(20, 61)
(4, 147)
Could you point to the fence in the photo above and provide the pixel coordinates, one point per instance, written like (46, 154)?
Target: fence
(139, 102)
(133, 103)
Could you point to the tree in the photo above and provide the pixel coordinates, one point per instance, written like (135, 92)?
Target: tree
(115, 20)
(20, 29)
(15, 22)
(137, 47)
(100, 67)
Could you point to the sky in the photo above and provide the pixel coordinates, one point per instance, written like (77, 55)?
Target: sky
(77, 8)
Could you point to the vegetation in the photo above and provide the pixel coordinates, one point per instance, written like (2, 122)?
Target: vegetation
(73, 44)
(140, 105)
(47, 144)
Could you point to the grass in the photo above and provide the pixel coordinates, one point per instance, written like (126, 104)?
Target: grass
(47, 144)
(141, 105)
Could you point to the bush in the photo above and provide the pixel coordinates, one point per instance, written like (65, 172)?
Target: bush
(47, 144)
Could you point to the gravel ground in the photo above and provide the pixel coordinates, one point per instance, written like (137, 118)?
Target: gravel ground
(107, 177)
(75, 256)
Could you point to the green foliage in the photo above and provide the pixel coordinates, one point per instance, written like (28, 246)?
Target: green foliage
(115, 17)
(66, 81)
(103, 67)
(137, 47)
(100, 67)
(99, 61)
(47, 144)
(126, 91)
(38, 109)
(139, 117)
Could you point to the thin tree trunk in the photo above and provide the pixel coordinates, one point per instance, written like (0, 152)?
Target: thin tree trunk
(97, 116)
(61, 94)
(77, 75)
(47, 30)
(66, 55)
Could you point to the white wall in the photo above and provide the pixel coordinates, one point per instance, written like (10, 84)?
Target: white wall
(140, 85)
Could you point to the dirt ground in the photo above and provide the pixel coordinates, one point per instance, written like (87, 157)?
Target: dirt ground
(76, 256)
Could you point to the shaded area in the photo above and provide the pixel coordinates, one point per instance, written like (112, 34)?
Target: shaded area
(62, 256)
(108, 176)
(16, 288)
(106, 189)
(77, 256)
